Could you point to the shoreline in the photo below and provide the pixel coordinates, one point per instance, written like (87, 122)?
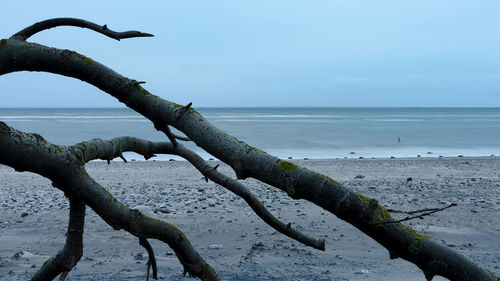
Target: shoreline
(210, 215)
(130, 156)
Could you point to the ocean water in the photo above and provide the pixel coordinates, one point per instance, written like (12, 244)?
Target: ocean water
(293, 132)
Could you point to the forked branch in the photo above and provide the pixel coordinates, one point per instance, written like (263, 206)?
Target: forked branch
(99, 149)
(64, 166)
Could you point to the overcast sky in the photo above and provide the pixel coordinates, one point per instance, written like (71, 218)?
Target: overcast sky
(272, 53)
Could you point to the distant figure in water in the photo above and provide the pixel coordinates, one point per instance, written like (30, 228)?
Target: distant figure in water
(399, 140)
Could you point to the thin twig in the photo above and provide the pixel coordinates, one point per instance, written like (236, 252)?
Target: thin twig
(419, 211)
(166, 130)
(170, 136)
(152, 260)
(429, 212)
(51, 23)
(122, 157)
(186, 108)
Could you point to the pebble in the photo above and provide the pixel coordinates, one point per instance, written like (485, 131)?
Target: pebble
(139, 256)
(164, 209)
(205, 195)
(143, 209)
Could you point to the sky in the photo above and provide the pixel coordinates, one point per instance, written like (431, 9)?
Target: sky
(272, 53)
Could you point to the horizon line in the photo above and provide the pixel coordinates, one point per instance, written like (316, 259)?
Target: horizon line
(244, 107)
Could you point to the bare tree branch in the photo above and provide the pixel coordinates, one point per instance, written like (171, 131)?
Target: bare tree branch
(431, 257)
(68, 257)
(64, 166)
(51, 23)
(100, 149)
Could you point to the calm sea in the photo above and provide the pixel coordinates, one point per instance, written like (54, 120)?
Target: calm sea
(294, 132)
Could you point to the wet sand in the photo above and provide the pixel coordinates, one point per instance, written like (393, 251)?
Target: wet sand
(33, 218)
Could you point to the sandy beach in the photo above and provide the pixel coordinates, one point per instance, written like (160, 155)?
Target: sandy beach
(33, 218)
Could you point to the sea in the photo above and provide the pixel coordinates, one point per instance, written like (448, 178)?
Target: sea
(298, 133)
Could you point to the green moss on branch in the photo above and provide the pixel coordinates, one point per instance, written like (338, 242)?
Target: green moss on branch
(4, 44)
(287, 167)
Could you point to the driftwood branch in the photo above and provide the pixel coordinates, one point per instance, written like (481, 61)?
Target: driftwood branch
(100, 149)
(51, 23)
(68, 257)
(64, 166)
(430, 256)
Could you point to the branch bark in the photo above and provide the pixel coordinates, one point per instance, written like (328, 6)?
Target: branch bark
(64, 166)
(68, 257)
(300, 183)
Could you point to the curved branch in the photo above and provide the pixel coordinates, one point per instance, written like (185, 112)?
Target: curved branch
(68, 257)
(64, 166)
(99, 149)
(51, 23)
(300, 183)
